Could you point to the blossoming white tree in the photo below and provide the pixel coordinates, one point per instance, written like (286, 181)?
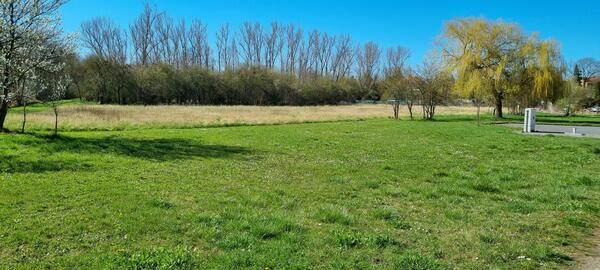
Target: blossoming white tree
(31, 40)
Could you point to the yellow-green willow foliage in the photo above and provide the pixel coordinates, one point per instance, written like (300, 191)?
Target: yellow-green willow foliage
(497, 61)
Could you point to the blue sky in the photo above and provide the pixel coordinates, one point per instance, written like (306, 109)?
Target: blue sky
(414, 24)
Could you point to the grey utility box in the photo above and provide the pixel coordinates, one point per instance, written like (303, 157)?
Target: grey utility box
(529, 124)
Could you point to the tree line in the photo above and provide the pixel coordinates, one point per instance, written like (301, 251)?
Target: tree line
(159, 60)
(162, 60)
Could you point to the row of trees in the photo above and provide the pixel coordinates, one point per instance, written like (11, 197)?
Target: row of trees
(275, 65)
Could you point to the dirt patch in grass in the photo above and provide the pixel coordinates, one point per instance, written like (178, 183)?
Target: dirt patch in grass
(590, 259)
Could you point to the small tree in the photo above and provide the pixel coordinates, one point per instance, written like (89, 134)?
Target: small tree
(398, 86)
(394, 89)
(573, 93)
(577, 74)
(57, 92)
(28, 90)
(433, 85)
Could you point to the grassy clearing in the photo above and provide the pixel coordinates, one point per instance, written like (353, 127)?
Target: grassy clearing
(114, 117)
(375, 194)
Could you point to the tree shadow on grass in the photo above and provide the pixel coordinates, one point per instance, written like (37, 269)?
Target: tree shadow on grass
(57, 153)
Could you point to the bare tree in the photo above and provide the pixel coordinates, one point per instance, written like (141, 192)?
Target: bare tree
(251, 41)
(143, 38)
(273, 45)
(200, 49)
(325, 53)
(104, 39)
(303, 60)
(293, 44)
(368, 58)
(180, 45)
(234, 54)
(163, 27)
(109, 43)
(313, 52)
(396, 59)
(222, 47)
(589, 68)
(343, 58)
(433, 84)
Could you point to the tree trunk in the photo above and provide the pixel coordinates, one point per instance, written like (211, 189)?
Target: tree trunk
(55, 122)
(498, 110)
(3, 113)
(396, 107)
(479, 114)
(24, 116)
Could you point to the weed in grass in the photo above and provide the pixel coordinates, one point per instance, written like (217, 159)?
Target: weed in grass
(415, 261)
(349, 239)
(210, 219)
(455, 214)
(440, 174)
(272, 228)
(521, 207)
(157, 258)
(237, 240)
(485, 187)
(383, 241)
(586, 181)
(355, 239)
(160, 203)
(576, 222)
(334, 214)
(489, 239)
(392, 217)
(508, 177)
(340, 180)
(546, 254)
(372, 184)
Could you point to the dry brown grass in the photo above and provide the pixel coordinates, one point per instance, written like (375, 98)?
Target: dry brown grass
(108, 117)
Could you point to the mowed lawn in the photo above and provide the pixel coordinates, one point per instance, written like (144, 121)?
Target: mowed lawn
(373, 194)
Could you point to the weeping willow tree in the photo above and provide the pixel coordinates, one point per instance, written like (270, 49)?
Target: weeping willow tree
(496, 61)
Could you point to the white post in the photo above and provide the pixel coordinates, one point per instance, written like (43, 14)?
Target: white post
(529, 122)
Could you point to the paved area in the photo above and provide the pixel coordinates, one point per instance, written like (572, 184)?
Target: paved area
(563, 130)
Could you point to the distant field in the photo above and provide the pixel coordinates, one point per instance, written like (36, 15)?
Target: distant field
(74, 116)
(373, 194)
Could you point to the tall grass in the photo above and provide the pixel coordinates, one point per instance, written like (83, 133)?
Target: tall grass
(116, 117)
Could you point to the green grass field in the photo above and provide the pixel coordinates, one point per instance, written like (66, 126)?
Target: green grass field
(374, 194)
